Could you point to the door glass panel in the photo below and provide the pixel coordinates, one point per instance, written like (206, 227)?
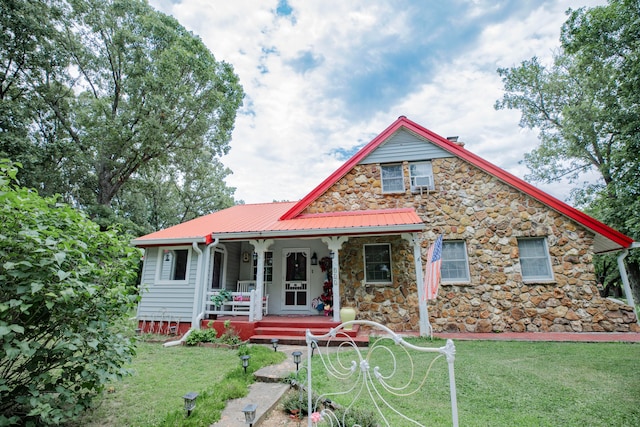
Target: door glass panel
(296, 266)
(216, 276)
(296, 285)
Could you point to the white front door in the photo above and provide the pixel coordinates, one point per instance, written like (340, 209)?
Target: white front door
(296, 278)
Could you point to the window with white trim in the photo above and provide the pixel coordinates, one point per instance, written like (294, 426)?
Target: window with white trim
(535, 261)
(173, 265)
(377, 263)
(421, 176)
(268, 267)
(392, 178)
(455, 264)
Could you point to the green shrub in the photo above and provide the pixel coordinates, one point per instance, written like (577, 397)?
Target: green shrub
(202, 335)
(230, 335)
(66, 286)
(357, 416)
(295, 404)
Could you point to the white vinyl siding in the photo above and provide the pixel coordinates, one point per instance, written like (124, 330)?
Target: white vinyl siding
(534, 259)
(377, 262)
(172, 299)
(405, 146)
(392, 178)
(455, 265)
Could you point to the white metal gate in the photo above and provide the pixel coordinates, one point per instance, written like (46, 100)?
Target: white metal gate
(357, 370)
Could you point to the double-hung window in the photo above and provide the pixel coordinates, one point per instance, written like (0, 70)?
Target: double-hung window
(534, 259)
(173, 265)
(392, 178)
(455, 265)
(268, 267)
(377, 263)
(421, 176)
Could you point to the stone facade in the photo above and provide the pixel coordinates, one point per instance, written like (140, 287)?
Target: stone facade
(488, 215)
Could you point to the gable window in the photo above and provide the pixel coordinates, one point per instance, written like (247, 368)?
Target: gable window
(421, 176)
(392, 178)
(268, 267)
(534, 259)
(377, 263)
(455, 265)
(173, 265)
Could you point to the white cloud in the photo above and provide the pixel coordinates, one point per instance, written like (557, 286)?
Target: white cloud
(281, 150)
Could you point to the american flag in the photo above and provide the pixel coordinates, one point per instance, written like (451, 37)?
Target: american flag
(432, 269)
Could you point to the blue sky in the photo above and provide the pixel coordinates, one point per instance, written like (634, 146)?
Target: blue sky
(322, 78)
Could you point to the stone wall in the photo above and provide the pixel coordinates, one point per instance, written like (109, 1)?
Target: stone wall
(468, 204)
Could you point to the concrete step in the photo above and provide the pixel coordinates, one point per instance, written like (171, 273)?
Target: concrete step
(265, 395)
(266, 392)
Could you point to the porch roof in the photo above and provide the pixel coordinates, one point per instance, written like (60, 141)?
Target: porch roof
(258, 221)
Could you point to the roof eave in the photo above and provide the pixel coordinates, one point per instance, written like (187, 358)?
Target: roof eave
(168, 242)
(318, 232)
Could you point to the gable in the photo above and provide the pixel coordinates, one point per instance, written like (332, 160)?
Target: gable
(405, 146)
(607, 239)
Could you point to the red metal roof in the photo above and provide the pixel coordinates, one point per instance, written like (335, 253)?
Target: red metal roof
(262, 221)
(285, 219)
(606, 237)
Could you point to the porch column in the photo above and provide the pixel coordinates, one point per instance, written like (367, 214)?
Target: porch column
(334, 244)
(625, 279)
(260, 246)
(425, 325)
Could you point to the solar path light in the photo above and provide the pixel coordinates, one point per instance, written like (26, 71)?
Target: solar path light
(249, 412)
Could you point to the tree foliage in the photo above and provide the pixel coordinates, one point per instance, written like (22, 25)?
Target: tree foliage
(586, 106)
(102, 95)
(64, 284)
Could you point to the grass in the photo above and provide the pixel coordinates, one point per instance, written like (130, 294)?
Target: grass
(516, 383)
(498, 384)
(152, 396)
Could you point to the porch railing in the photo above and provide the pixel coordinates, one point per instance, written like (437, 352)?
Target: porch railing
(380, 377)
(240, 304)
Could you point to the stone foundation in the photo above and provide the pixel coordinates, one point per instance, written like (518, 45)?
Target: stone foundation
(539, 308)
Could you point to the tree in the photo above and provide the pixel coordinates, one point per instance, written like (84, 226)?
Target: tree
(65, 284)
(163, 196)
(128, 89)
(586, 106)
(29, 55)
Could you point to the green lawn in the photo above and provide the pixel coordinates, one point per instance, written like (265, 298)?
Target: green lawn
(152, 396)
(499, 384)
(518, 384)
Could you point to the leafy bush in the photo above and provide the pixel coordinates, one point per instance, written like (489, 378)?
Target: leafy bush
(295, 404)
(64, 286)
(202, 335)
(357, 416)
(230, 335)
